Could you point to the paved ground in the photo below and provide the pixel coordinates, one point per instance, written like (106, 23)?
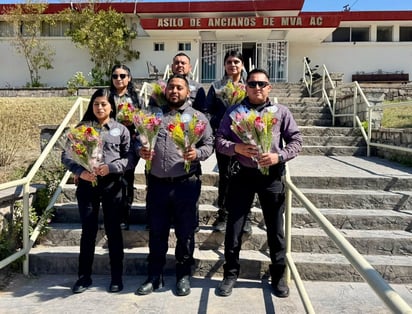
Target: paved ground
(52, 294)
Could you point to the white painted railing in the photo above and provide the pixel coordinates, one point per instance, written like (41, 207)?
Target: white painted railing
(26, 181)
(384, 291)
(329, 90)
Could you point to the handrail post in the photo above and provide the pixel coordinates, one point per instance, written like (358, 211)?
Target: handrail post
(368, 147)
(355, 106)
(288, 226)
(26, 225)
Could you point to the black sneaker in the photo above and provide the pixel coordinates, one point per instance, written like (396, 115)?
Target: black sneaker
(226, 287)
(280, 288)
(82, 284)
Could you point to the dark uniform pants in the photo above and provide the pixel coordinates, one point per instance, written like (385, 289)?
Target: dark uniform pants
(169, 202)
(223, 165)
(108, 192)
(241, 193)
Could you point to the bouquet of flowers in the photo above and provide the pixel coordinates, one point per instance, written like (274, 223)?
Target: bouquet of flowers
(148, 126)
(255, 128)
(231, 93)
(125, 112)
(186, 130)
(85, 147)
(158, 92)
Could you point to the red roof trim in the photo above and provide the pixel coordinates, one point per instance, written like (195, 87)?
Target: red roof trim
(367, 15)
(182, 7)
(221, 6)
(229, 6)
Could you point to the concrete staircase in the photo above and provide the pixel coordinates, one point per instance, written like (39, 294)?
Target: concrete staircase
(368, 199)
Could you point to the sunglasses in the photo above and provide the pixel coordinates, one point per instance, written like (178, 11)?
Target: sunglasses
(261, 84)
(122, 76)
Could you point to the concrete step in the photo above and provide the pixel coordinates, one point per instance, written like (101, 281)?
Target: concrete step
(358, 219)
(354, 141)
(331, 198)
(208, 263)
(321, 198)
(362, 183)
(312, 150)
(299, 109)
(368, 219)
(314, 240)
(296, 100)
(315, 116)
(327, 131)
(314, 121)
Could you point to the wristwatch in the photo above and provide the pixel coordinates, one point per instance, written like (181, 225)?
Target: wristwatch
(281, 159)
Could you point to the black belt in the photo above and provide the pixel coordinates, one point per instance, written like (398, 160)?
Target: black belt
(172, 179)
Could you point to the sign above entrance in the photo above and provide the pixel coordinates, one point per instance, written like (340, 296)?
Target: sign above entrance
(306, 21)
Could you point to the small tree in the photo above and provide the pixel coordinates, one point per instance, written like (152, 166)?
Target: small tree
(105, 34)
(28, 17)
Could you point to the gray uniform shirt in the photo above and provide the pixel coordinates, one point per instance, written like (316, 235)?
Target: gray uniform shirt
(285, 129)
(116, 149)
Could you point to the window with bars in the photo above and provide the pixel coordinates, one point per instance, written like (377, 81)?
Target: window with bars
(159, 46)
(405, 33)
(57, 29)
(187, 46)
(346, 34)
(384, 33)
(6, 29)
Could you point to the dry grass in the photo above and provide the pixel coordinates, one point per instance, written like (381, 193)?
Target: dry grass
(20, 121)
(397, 117)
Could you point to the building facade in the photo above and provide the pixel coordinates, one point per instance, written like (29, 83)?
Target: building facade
(274, 35)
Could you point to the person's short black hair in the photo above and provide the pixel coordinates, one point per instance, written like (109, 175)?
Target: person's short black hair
(257, 70)
(181, 54)
(180, 76)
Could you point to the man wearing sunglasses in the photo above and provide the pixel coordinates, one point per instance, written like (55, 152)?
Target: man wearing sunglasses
(246, 180)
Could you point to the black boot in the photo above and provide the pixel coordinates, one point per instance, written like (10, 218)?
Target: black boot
(279, 286)
(220, 223)
(183, 286)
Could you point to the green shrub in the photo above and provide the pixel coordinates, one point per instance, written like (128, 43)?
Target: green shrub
(77, 80)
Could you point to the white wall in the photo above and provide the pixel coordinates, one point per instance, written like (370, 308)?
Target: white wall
(70, 59)
(350, 58)
(347, 58)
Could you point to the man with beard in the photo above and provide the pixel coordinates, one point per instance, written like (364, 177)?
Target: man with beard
(173, 191)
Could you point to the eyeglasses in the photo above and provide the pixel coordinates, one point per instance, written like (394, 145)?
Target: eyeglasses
(261, 84)
(122, 76)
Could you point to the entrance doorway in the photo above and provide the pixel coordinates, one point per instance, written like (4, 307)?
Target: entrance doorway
(270, 55)
(249, 55)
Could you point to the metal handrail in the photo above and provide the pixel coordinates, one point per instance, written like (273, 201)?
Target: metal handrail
(307, 76)
(195, 71)
(145, 93)
(329, 97)
(25, 182)
(166, 72)
(385, 292)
